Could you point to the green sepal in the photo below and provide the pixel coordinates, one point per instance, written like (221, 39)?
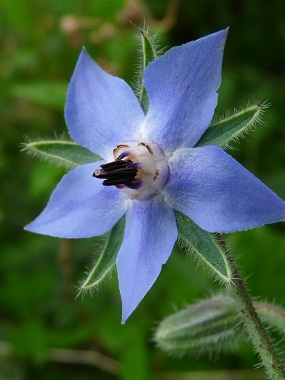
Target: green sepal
(204, 246)
(207, 326)
(232, 127)
(107, 258)
(61, 152)
(149, 54)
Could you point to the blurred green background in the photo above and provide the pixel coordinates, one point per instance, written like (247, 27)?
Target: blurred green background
(45, 331)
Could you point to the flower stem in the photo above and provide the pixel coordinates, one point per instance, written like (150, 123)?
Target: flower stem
(257, 333)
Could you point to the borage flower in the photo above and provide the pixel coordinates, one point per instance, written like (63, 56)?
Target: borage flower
(151, 166)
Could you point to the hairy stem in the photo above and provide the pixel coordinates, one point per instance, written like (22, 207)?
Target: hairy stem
(257, 333)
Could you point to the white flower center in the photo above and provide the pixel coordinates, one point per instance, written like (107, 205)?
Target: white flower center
(140, 169)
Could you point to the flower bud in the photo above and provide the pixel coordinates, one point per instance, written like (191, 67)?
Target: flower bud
(208, 325)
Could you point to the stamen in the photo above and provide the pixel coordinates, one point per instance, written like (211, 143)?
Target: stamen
(123, 173)
(139, 169)
(116, 164)
(117, 172)
(116, 181)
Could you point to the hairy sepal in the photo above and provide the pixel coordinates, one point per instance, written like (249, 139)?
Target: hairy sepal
(209, 326)
(61, 152)
(107, 258)
(233, 127)
(148, 53)
(203, 246)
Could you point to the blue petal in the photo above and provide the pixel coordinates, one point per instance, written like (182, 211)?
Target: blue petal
(182, 86)
(218, 193)
(150, 235)
(80, 206)
(101, 110)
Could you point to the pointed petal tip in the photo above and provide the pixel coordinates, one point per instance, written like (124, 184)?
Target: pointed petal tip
(144, 250)
(26, 228)
(127, 311)
(223, 33)
(224, 197)
(36, 227)
(101, 109)
(77, 207)
(226, 31)
(220, 36)
(193, 72)
(84, 53)
(123, 320)
(29, 227)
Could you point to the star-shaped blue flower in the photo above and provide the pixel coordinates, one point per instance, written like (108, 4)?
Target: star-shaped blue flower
(150, 164)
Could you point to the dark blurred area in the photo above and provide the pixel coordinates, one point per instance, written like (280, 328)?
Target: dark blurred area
(45, 331)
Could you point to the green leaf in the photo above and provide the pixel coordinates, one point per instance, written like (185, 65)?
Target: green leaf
(149, 54)
(61, 152)
(107, 258)
(201, 328)
(204, 246)
(45, 93)
(224, 131)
